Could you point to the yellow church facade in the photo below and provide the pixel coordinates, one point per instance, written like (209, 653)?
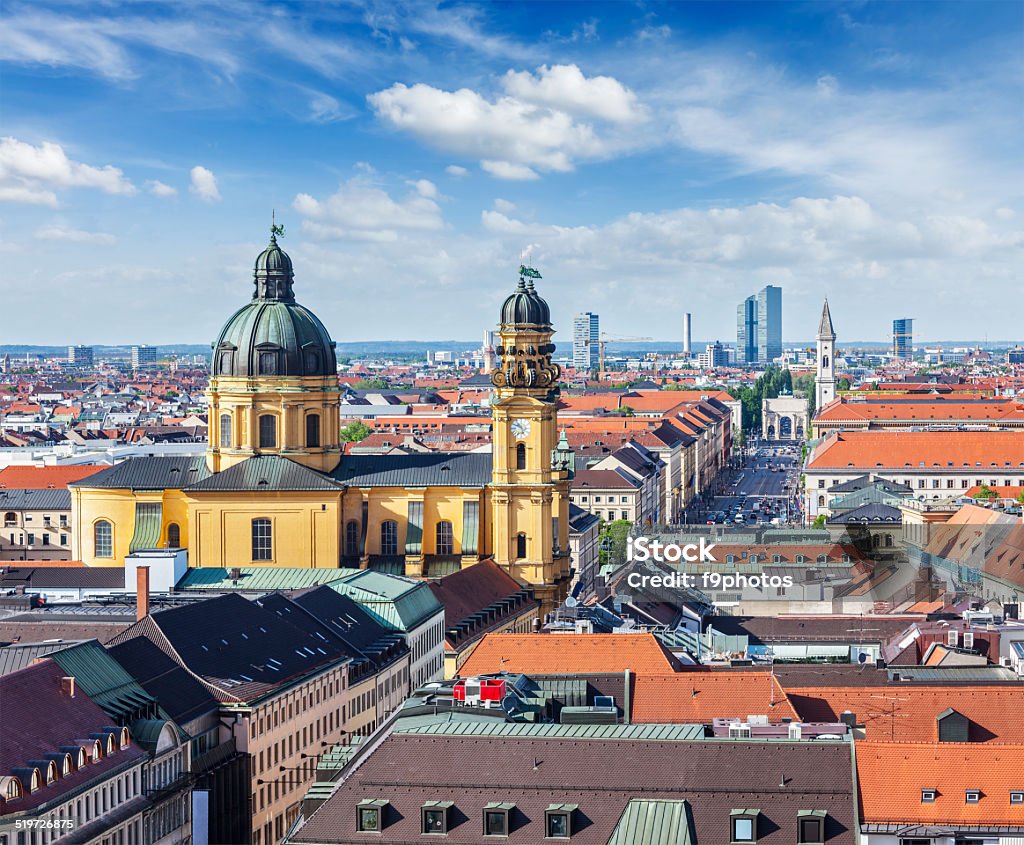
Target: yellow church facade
(275, 490)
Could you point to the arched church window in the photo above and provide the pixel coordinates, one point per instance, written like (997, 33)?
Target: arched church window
(262, 539)
(268, 431)
(520, 545)
(174, 536)
(445, 538)
(351, 538)
(103, 539)
(313, 431)
(225, 430)
(389, 537)
(520, 456)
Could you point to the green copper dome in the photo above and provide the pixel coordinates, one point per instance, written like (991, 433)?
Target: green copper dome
(525, 307)
(273, 335)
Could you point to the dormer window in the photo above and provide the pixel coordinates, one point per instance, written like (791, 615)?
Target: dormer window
(1017, 796)
(11, 788)
(972, 796)
(125, 738)
(370, 815)
(51, 773)
(435, 816)
(496, 819)
(111, 748)
(743, 825)
(928, 796)
(810, 827)
(558, 821)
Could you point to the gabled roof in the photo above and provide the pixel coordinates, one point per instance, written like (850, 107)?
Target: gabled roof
(873, 513)
(35, 500)
(179, 693)
(264, 473)
(891, 776)
(241, 650)
(431, 469)
(473, 589)
(39, 718)
(908, 712)
(399, 603)
(700, 696)
(556, 654)
(149, 473)
(44, 478)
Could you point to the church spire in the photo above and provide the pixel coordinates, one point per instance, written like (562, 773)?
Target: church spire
(825, 330)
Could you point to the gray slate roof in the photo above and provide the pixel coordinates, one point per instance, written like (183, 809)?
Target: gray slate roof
(149, 473)
(870, 514)
(428, 469)
(40, 577)
(35, 500)
(266, 472)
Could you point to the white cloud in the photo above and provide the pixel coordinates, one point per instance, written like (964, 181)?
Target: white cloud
(504, 206)
(204, 184)
(425, 188)
(514, 137)
(455, 170)
(827, 85)
(32, 174)
(159, 189)
(565, 88)
(360, 210)
(78, 236)
(508, 170)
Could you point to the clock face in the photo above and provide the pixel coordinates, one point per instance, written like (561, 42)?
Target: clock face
(520, 429)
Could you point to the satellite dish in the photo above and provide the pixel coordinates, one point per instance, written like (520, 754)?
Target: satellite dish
(571, 602)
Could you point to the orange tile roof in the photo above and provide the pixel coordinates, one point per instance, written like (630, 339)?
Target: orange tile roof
(1002, 492)
(997, 450)
(922, 409)
(559, 654)
(909, 712)
(700, 696)
(45, 478)
(891, 776)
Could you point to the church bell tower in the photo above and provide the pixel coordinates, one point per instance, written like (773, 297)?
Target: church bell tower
(532, 465)
(825, 377)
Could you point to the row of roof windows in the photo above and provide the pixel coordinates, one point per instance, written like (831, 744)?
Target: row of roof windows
(372, 815)
(971, 796)
(62, 763)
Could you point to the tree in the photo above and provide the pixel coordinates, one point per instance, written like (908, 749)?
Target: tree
(370, 384)
(844, 383)
(819, 521)
(354, 432)
(626, 411)
(613, 541)
(985, 492)
(1020, 497)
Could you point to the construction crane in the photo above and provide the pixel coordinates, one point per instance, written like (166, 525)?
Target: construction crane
(605, 338)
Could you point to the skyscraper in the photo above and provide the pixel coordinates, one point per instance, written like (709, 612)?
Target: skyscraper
(903, 338)
(686, 334)
(759, 327)
(143, 356)
(586, 338)
(80, 356)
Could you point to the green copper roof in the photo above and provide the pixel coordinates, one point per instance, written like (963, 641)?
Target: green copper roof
(265, 579)
(490, 726)
(148, 521)
(103, 679)
(646, 822)
(400, 603)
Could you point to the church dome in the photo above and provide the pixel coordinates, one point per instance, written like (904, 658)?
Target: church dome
(273, 335)
(525, 306)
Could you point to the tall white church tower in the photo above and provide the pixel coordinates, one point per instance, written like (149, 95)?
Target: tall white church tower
(825, 381)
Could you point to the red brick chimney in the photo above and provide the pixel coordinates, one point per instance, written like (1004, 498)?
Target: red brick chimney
(141, 592)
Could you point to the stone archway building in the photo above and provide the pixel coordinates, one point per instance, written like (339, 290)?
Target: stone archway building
(784, 418)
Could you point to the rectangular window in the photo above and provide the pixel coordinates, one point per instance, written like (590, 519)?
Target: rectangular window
(389, 537)
(743, 829)
(810, 831)
(495, 823)
(262, 540)
(268, 431)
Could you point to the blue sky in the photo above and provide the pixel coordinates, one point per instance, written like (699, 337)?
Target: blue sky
(653, 158)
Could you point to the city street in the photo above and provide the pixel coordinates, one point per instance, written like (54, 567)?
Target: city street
(759, 492)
